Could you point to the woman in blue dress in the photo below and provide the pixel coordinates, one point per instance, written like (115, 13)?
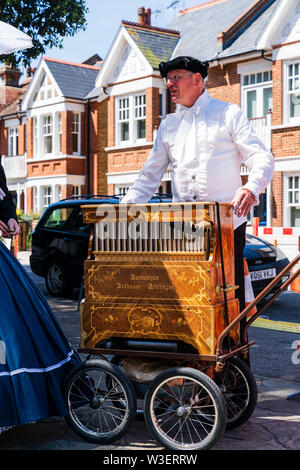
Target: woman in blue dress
(35, 356)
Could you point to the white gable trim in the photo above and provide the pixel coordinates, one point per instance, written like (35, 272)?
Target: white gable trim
(111, 60)
(282, 10)
(35, 83)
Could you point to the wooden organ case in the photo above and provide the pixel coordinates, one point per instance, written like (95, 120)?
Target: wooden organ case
(154, 272)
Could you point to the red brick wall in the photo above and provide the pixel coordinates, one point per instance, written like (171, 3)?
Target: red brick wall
(224, 83)
(3, 139)
(71, 166)
(29, 132)
(21, 139)
(277, 74)
(152, 112)
(111, 121)
(277, 203)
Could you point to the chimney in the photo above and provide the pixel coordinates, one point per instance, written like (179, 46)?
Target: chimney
(148, 16)
(10, 76)
(144, 15)
(141, 14)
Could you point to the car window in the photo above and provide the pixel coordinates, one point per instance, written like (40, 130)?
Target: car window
(77, 225)
(57, 218)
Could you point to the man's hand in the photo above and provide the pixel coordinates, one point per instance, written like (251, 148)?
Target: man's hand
(243, 201)
(11, 229)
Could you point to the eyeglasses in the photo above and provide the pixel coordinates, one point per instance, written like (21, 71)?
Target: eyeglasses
(176, 78)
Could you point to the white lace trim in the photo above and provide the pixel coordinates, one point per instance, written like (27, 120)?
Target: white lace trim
(36, 370)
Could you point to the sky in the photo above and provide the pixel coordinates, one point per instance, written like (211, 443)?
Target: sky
(103, 21)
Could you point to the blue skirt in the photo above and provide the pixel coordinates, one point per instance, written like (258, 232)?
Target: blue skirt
(35, 355)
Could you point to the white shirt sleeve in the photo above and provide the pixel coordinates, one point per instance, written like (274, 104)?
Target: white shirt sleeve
(151, 174)
(254, 154)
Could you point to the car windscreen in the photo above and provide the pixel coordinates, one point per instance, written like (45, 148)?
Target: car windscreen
(57, 218)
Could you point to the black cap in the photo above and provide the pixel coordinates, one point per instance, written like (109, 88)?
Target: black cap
(184, 62)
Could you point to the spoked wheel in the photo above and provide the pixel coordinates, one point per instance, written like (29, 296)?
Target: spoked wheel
(238, 386)
(185, 410)
(94, 392)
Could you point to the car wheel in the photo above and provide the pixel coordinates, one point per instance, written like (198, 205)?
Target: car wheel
(56, 280)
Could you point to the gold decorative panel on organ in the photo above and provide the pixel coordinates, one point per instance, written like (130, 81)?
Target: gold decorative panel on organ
(154, 272)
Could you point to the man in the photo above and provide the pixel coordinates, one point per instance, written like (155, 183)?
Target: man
(205, 142)
(8, 217)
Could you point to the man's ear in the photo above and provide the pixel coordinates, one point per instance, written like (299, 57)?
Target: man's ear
(198, 78)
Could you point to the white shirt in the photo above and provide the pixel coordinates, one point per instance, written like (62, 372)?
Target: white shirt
(205, 146)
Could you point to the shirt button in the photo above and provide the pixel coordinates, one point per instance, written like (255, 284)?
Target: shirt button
(194, 197)
(193, 177)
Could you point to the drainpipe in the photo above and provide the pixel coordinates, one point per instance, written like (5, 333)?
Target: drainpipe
(88, 150)
(264, 57)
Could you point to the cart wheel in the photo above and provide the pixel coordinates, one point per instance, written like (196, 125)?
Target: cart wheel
(238, 386)
(185, 410)
(93, 393)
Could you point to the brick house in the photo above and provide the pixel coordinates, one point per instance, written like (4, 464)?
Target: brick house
(130, 91)
(44, 136)
(254, 54)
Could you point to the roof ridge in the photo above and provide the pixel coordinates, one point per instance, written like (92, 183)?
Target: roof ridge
(150, 27)
(71, 63)
(202, 5)
(256, 9)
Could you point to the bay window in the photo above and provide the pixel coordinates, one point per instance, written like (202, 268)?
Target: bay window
(293, 90)
(257, 94)
(131, 119)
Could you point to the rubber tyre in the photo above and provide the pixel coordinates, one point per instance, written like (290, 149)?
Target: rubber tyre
(56, 280)
(240, 381)
(77, 376)
(206, 388)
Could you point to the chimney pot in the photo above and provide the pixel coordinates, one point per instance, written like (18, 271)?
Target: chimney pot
(141, 14)
(148, 16)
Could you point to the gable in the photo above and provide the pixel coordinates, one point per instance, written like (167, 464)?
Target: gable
(284, 27)
(124, 61)
(43, 88)
(129, 65)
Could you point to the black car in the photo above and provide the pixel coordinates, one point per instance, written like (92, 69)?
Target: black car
(265, 261)
(60, 244)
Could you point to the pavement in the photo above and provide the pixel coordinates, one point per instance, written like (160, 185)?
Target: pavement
(274, 425)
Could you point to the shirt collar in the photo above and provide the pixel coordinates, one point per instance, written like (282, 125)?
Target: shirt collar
(200, 103)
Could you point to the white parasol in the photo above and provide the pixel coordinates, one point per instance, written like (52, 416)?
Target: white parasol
(12, 39)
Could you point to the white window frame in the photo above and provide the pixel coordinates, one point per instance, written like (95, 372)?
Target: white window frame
(47, 196)
(13, 141)
(293, 191)
(76, 125)
(76, 190)
(121, 190)
(35, 137)
(257, 81)
(59, 133)
(47, 131)
(139, 114)
(287, 93)
(129, 112)
(35, 200)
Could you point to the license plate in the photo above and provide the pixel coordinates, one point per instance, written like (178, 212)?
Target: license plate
(263, 274)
